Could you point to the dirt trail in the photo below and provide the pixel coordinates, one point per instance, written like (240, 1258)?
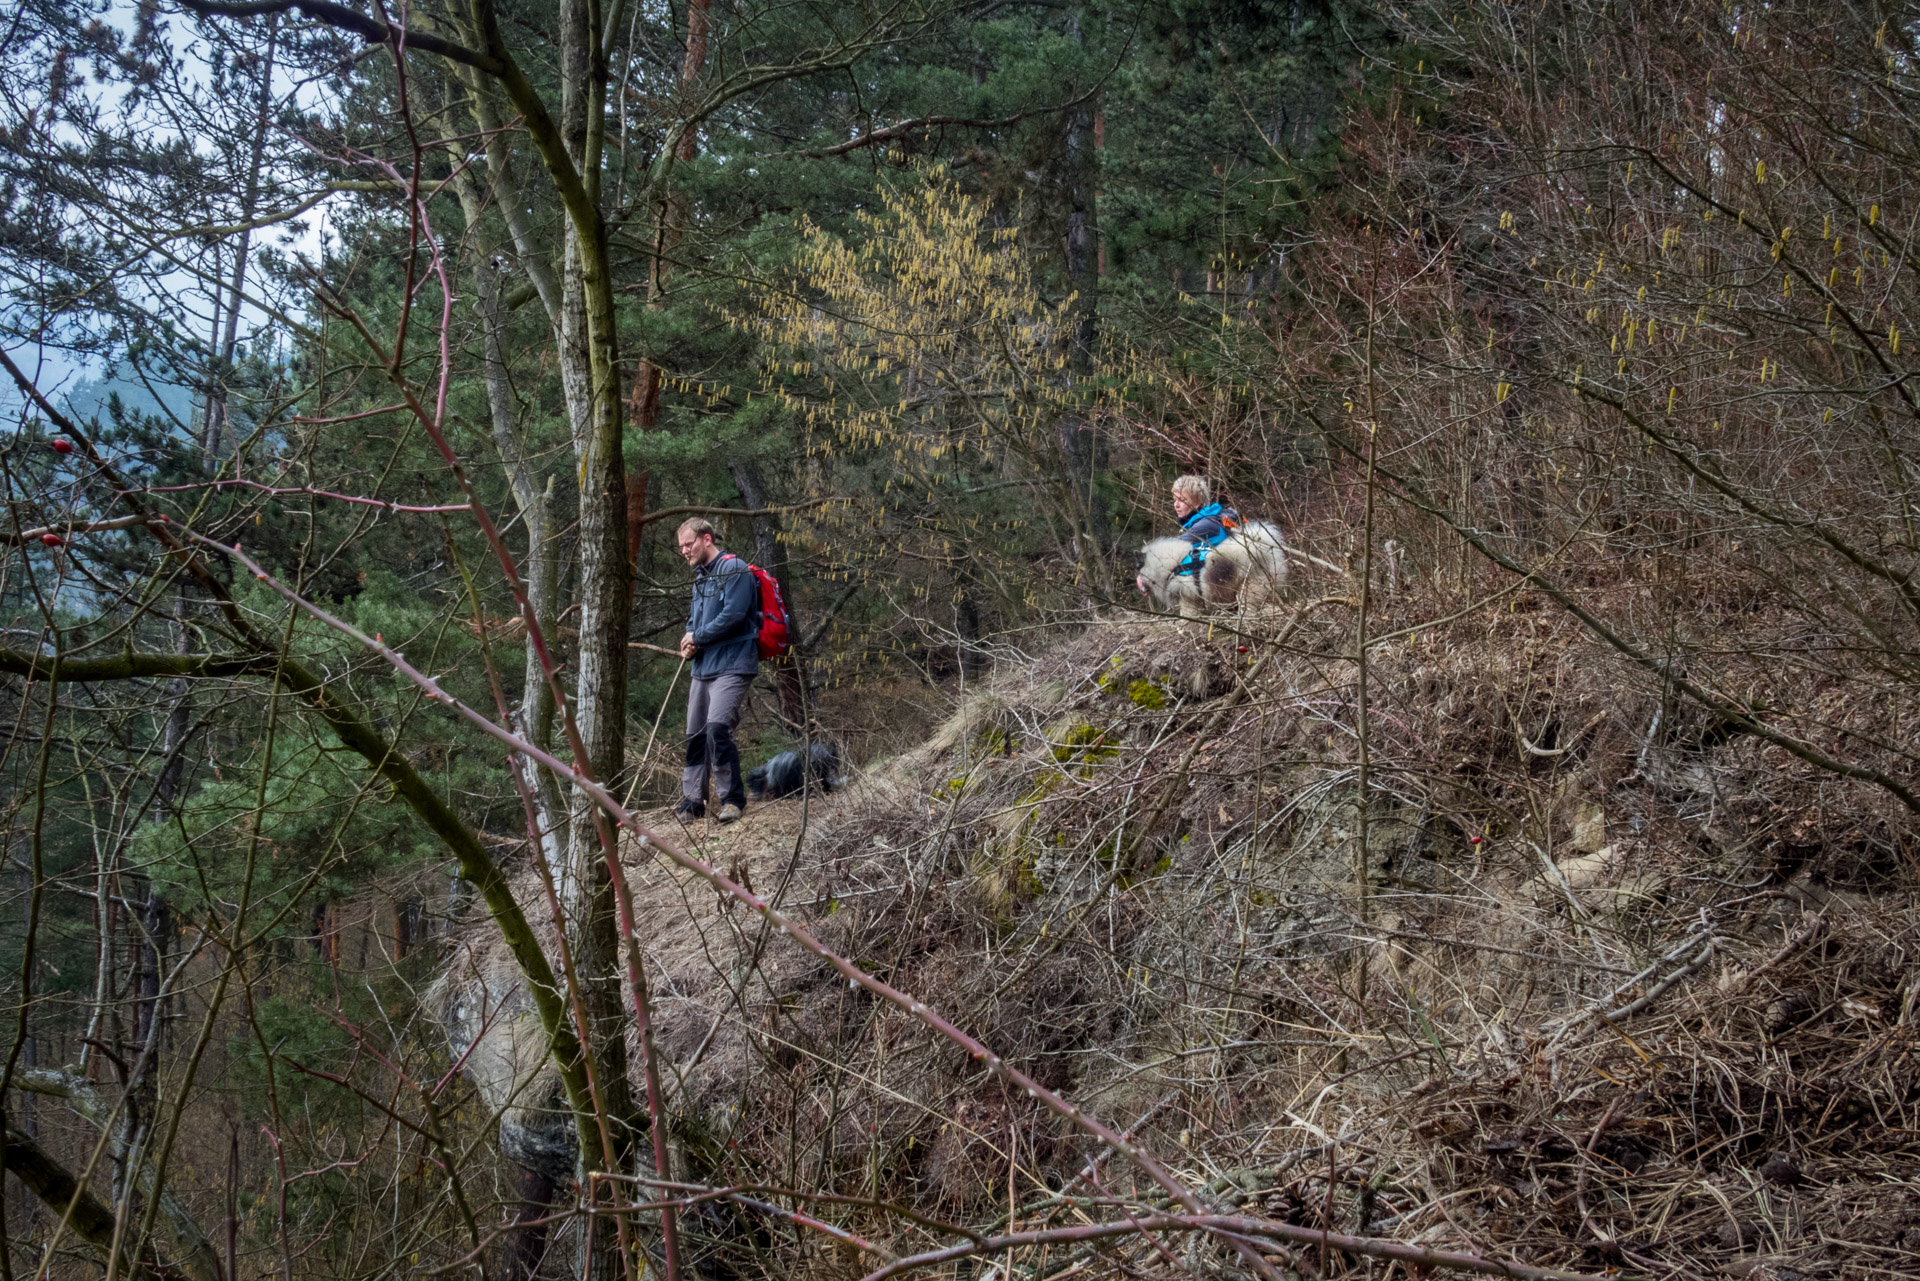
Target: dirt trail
(692, 938)
(761, 843)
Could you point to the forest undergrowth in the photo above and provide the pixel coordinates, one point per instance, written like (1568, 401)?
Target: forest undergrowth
(1618, 989)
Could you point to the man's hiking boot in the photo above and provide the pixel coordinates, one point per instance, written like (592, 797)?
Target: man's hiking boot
(729, 812)
(690, 810)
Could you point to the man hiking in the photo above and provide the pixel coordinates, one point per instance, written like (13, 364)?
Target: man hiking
(723, 641)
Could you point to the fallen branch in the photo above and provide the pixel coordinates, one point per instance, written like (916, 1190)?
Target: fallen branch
(1233, 1225)
(1809, 930)
(192, 1252)
(1665, 986)
(130, 666)
(1322, 563)
(1598, 1011)
(1559, 878)
(1589, 1151)
(30, 1163)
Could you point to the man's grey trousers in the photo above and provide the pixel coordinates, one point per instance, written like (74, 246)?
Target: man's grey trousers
(714, 705)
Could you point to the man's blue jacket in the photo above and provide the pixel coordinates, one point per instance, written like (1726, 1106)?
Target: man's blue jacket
(725, 618)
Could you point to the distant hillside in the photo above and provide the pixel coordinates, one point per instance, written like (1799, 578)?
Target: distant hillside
(90, 396)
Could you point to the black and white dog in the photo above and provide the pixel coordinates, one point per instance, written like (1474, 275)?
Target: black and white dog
(783, 775)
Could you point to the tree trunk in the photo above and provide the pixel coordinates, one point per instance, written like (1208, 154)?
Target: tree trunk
(541, 569)
(771, 555)
(589, 360)
(89, 1220)
(525, 1243)
(216, 418)
(580, 307)
(647, 389)
(1080, 450)
(603, 592)
(966, 626)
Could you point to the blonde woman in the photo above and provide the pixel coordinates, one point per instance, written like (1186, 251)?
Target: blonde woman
(1204, 524)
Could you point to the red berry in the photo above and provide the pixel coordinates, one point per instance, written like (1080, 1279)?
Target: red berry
(51, 540)
(1476, 840)
(1243, 649)
(61, 446)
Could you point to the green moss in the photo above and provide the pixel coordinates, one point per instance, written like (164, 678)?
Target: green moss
(1147, 694)
(1159, 867)
(1041, 790)
(1006, 876)
(1080, 741)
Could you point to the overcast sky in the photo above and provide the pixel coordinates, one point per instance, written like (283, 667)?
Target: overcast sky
(61, 375)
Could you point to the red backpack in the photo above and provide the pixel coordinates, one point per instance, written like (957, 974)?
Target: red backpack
(774, 640)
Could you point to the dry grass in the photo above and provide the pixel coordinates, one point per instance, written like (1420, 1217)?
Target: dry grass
(1660, 1016)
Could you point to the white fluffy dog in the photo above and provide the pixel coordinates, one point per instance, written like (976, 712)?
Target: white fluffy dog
(1250, 565)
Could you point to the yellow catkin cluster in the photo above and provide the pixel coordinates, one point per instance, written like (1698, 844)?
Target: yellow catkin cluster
(924, 336)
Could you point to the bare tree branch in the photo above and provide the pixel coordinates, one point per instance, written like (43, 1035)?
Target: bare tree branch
(372, 30)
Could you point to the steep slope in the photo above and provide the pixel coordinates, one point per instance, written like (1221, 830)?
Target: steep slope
(1617, 988)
